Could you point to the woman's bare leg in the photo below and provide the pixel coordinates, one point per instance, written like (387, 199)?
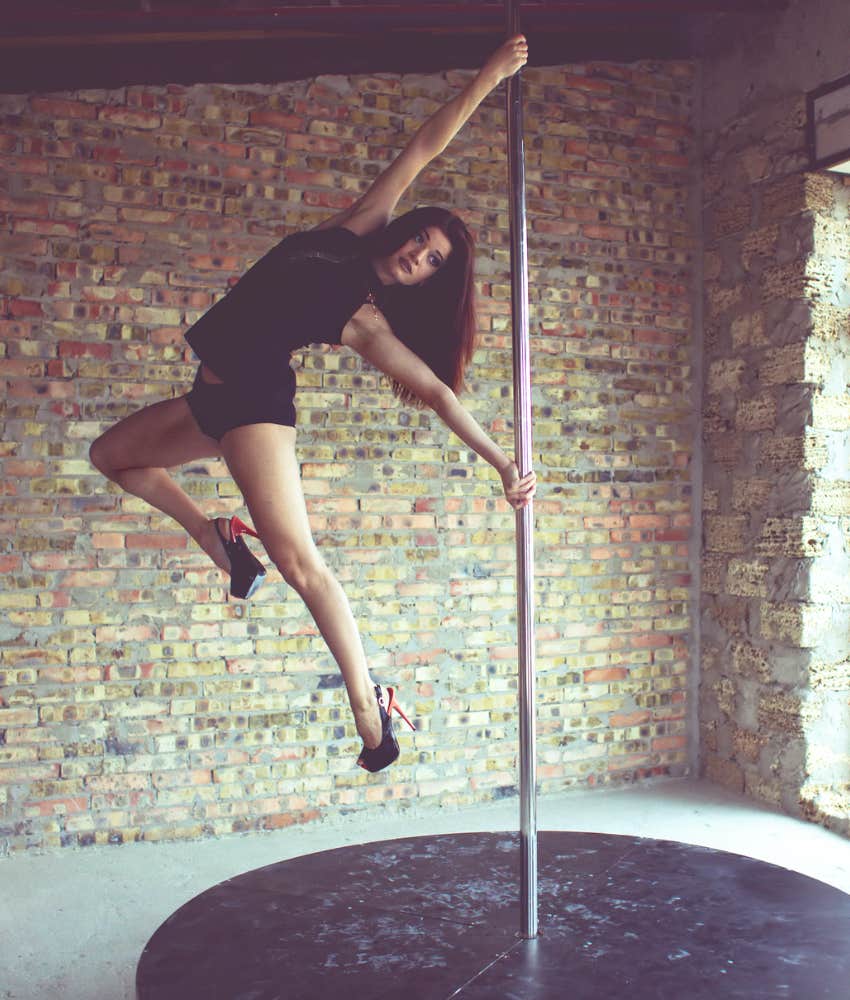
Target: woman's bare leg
(261, 458)
(137, 452)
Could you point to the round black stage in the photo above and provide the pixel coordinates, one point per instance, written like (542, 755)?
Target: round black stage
(429, 918)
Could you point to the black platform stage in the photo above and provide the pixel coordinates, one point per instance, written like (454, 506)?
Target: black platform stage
(433, 918)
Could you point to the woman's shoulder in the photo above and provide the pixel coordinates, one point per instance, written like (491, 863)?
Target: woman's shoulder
(334, 245)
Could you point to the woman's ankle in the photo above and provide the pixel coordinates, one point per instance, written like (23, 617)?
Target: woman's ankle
(368, 723)
(207, 536)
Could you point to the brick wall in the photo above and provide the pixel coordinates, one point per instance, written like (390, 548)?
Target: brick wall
(135, 701)
(775, 680)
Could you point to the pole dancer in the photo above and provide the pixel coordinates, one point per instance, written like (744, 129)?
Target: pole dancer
(401, 295)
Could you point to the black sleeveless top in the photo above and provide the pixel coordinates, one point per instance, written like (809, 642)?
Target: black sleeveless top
(301, 292)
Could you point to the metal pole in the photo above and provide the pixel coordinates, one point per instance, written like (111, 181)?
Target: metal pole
(524, 517)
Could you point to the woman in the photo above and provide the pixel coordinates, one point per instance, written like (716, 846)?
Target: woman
(400, 295)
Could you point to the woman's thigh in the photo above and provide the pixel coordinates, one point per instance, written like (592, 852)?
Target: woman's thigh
(262, 460)
(162, 435)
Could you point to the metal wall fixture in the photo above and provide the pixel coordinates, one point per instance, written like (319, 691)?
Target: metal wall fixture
(828, 126)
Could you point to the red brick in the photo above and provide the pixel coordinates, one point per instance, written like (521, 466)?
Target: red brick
(276, 119)
(55, 107)
(605, 676)
(130, 118)
(156, 541)
(670, 743)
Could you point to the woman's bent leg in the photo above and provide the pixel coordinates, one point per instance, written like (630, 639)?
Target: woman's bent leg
(137, 452)
(262, 461)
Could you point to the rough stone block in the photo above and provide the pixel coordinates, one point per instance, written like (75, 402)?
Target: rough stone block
(825, 366)
(832, 240)
(714, 573)
(725, 449)
(730, 616)
(829, 675)
(711, 657)
(784, 365)
(708, 736)
(712, 265)
(759, 246)
(831, 498)
(796, 193)
(730, 215)
(827, 803)
(724, 772)
(800, 624)
(719, 299)
(725, 533)
(790, 280)
(830, 581)
(748, 331)
(750, 494)
(717, 414)
(830, 321)
(806, 451)
(758, 414)
(781, 713)
(710, 500)
(830, 412)
(747, 578)
(725, 691)
(756, 162)
(764, 790)
(747, 745)
(751, 662)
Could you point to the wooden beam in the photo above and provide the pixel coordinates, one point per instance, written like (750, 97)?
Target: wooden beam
(109, 48)
(64, 26)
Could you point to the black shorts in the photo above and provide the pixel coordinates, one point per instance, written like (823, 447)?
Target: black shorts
(218, 407)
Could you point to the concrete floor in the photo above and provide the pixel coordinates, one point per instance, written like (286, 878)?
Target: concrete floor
(73, 924)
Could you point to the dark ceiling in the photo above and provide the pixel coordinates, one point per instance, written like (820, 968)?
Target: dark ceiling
(52, 45)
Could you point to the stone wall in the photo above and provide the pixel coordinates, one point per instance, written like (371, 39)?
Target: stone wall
(135, 702)
(776, 602)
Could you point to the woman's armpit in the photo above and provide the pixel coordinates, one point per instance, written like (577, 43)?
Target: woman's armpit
(209, 376)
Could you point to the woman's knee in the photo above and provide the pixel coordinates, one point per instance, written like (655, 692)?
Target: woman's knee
(99, 456)
(303, 569)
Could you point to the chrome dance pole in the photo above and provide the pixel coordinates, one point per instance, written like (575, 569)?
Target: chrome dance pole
(524, 517)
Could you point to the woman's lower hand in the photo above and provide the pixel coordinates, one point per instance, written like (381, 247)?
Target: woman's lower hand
(518, 489)
(510, 56)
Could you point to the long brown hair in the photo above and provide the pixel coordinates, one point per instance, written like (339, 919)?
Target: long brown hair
(435, 319)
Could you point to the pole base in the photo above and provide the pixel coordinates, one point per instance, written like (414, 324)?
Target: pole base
(436, 917)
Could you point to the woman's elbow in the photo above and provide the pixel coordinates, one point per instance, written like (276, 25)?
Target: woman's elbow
(439, 398)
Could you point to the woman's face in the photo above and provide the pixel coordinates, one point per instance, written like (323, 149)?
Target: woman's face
(417, 260)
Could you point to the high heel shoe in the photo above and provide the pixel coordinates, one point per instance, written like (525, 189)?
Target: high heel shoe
(246, 571)
(387, 750)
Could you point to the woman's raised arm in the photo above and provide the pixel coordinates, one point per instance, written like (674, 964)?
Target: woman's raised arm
(374, 209)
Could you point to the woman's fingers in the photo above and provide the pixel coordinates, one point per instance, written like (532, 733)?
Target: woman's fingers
(517, 53)
(511, 56)
(520, 492)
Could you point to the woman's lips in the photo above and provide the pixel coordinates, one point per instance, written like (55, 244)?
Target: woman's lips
(405, 265)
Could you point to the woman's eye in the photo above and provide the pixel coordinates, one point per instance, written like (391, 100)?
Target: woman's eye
(434, 261)
(419, 238)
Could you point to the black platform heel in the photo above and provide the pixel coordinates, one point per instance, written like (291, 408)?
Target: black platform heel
(387, 750)
(246, 571)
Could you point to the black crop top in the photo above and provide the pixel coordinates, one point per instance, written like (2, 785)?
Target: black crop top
(301, 292)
